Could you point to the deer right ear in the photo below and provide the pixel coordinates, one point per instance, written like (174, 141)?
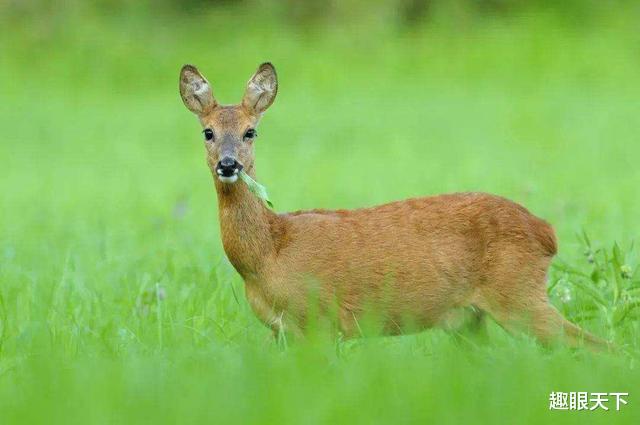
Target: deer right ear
(195, 91)
(261, 89)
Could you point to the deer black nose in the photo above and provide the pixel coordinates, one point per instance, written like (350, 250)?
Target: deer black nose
(228, 166)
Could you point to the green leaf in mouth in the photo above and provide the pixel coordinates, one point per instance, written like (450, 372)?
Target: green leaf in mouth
(256, 188)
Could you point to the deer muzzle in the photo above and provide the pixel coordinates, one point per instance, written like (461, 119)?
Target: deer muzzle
(227, 169)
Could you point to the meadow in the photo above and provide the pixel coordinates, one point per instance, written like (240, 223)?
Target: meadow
(117, 304)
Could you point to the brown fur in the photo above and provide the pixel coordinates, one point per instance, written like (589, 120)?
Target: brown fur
(421, 261)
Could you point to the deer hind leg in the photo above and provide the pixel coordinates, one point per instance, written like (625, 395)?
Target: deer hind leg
(570, 333)
(519, 303)
(547, 325)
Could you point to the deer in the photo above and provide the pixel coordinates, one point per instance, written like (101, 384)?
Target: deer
(440, 261)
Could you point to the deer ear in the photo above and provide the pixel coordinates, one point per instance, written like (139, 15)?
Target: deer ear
(261, 89)
(195, 91)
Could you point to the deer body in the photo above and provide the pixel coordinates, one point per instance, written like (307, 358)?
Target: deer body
(420, 261)
(416, 259)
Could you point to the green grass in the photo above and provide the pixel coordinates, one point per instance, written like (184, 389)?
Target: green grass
(106, 199)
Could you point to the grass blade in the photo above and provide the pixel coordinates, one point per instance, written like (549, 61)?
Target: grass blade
(256, 188)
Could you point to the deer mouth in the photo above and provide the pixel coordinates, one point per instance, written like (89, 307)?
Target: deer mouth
(228, 174)
(230, 179)
(228, 170)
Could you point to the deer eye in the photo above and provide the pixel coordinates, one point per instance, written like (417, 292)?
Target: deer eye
(208, 134)
(251, 134)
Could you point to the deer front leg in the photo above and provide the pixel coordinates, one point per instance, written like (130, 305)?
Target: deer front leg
(281, 324)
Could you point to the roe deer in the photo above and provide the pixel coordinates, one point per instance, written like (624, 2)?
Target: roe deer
(427, 261)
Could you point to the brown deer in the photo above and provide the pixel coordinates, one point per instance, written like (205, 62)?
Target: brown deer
(430, 261)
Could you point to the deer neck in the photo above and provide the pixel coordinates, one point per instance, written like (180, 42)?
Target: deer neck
(245, 225)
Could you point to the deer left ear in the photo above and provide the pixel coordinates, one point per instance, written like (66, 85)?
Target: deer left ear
(195, 91)
(261, 89)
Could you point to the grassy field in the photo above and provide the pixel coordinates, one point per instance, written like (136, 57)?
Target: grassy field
(117, 304)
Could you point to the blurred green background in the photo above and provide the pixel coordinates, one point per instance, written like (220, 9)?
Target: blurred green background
(117, 304)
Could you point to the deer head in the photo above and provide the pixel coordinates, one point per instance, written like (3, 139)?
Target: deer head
(229, 130)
